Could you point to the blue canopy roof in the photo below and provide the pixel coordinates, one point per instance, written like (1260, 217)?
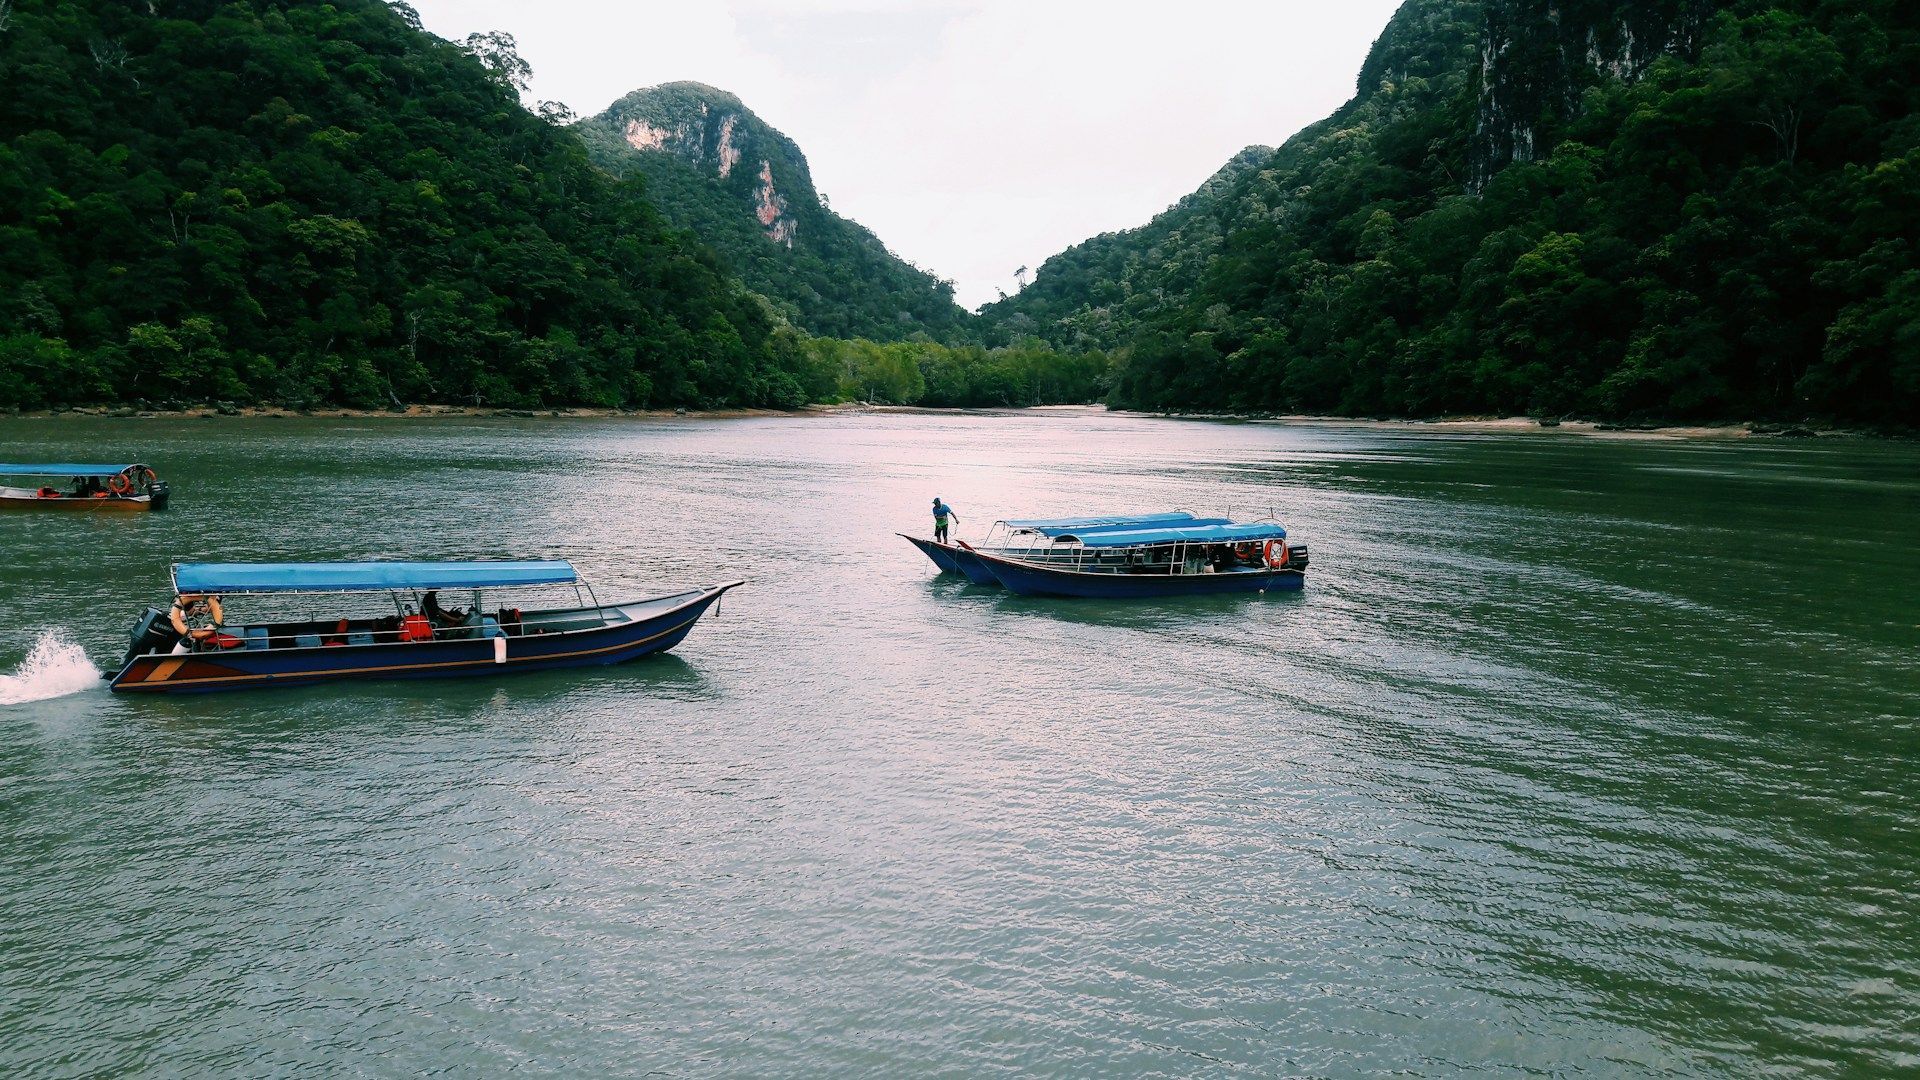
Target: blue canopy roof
(1190, 534)
(1044, 524)
(1056, 532)
(61, 470)
(366, 576)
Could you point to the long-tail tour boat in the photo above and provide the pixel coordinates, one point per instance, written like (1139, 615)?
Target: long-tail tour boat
(1032, 539)
(84, 487)
(418, 639)
(1143, 556)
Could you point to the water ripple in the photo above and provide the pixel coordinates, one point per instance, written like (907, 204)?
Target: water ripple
(1567, 761)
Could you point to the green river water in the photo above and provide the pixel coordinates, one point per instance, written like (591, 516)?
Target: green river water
(1575, 756)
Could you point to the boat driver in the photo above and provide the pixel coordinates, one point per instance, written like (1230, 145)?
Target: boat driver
(439, 616)
(941, 512)
(197, 619)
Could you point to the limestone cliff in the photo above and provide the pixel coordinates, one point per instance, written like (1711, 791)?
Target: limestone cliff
(713, 132)
(1537, 57)
(717, 169)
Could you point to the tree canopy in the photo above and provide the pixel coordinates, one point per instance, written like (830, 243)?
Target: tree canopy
(274, 200)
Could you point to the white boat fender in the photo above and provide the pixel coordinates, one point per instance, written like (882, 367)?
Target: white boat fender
(499, 650)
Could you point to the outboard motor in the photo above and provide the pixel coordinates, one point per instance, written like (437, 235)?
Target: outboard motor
(151, 634)
(159, 490)
(1296, 556)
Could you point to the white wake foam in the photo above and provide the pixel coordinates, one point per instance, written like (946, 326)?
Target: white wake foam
(54, 667)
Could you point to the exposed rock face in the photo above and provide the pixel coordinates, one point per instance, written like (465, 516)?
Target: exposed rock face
(719, 171)
(1538, 56)
(729, 154)
(713, 131)
(771, 208)
(644, 136)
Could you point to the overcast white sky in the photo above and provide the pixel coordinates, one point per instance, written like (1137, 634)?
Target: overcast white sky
(974, 136)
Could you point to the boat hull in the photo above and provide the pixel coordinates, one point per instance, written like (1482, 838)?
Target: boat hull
(241, 669)
(1029, 579)
(974, 567)
(941, 554)
(952, 559)
(108, 505)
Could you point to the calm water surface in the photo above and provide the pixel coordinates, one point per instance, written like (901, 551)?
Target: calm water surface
(1575, 756)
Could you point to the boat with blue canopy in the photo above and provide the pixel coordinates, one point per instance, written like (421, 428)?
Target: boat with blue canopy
(1169, 558)
(1034, 538)
(67, 486)
(194, 647)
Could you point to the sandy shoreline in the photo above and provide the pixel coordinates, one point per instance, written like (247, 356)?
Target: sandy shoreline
(1521, 425)
(1464, 424)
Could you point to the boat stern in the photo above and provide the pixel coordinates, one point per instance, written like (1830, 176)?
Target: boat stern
(151, 638)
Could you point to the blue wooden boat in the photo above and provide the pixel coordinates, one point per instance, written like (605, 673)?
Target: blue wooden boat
(1157, 560)
(418, 640)
(1034, 540)
(84, 487)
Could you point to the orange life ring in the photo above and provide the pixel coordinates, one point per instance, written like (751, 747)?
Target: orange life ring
(120, 484)
(1243, 552)
(1281, 562)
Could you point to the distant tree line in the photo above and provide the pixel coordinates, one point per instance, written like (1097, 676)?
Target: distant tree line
(943, 376)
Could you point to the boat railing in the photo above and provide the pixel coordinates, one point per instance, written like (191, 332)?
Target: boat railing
(1179, 558)
(248, 637)
(361, 630)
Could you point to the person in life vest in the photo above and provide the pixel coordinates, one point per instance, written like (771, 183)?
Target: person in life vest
(197, 619)
(941, 512)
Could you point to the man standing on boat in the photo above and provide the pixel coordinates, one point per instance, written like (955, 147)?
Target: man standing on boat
(941, 512)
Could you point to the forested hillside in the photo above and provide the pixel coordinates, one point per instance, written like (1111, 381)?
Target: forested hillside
(714, 167)
(296, 202)
(1659, 208)
(1094, 294)
(1673, 208)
